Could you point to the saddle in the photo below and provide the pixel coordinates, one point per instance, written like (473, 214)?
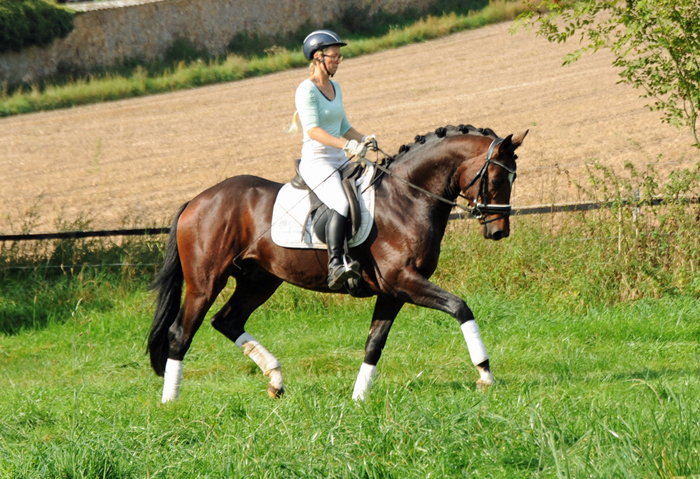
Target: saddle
(348, 177)
(294, 225)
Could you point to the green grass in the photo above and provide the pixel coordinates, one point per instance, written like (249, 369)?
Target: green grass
(610, 393)
(186, 67)
(588, 384)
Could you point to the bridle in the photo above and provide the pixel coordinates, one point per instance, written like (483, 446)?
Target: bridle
(479, 210)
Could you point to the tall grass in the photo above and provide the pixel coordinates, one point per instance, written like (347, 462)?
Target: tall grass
(136, 79)
(629, 251)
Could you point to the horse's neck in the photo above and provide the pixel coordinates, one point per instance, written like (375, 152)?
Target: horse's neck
(436, 174)
(420, 213)
(439, 173)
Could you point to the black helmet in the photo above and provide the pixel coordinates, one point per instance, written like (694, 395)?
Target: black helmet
(319, 40)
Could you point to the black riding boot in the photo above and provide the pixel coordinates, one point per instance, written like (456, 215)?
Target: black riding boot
(340, 267)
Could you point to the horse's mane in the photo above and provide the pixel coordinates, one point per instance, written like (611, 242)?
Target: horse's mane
(440, 134)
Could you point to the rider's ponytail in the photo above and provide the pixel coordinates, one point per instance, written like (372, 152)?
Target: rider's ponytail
(295, 126)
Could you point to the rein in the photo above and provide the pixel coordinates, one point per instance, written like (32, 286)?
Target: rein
(479, 210)
(408, 183)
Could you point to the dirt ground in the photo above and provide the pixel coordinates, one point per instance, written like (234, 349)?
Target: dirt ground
(133, 162)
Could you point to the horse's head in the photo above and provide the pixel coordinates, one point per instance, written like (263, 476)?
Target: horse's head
(487, 183)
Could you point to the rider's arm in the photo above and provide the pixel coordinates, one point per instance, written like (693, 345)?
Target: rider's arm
(352, 134)
(322, 136)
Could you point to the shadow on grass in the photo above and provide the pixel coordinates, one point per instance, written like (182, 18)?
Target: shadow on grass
(15, 318)
(52, 281)
(32, 304)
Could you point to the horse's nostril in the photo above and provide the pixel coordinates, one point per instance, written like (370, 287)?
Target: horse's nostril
(497, 235)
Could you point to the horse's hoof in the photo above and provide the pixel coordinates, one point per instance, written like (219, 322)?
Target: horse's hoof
(483, 386)
(275, 392)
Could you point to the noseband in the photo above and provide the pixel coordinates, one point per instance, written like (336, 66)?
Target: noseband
(480, 210)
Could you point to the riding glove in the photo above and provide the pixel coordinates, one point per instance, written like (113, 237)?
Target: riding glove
(370, 141)
(354, 148)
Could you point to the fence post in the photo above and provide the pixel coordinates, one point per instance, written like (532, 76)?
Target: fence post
(635, 214)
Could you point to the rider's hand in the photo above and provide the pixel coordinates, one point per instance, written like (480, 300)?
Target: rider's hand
(354, 148)
(370, 142)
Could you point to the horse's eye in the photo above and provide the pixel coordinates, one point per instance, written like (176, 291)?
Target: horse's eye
(497, 183)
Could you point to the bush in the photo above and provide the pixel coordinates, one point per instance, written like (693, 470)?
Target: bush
(31, 22)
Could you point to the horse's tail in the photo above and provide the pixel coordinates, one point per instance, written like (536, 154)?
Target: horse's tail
(169, 286)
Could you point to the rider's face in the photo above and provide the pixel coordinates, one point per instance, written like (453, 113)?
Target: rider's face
(331, 58)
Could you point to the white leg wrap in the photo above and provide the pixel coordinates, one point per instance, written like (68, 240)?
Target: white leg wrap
(172, 380)
(269, 364)
(364, 382)
(477, 351)
(276, 379)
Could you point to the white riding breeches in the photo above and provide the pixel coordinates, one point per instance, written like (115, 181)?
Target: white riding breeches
(320, 168)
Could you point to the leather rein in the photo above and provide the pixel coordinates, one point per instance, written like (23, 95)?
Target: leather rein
(479, 210)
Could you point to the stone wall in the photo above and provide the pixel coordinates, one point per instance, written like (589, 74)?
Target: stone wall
(106, 33)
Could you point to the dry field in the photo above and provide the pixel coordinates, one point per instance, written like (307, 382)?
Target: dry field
(135, 161)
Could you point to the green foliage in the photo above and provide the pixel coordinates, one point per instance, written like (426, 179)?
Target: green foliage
(44, 279)
(32, 22)
(656, 44)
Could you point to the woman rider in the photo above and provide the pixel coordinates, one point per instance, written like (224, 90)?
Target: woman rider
(328, 137)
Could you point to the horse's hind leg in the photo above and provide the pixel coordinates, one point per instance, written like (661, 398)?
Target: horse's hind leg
(385, 311)
(189, 319)
(252, 290)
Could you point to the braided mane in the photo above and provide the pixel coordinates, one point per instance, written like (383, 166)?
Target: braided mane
(443, 132)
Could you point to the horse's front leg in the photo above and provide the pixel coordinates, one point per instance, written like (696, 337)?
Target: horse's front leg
(420, 291)
(385, 311)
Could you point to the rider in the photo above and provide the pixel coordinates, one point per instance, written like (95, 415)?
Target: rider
(328, 137)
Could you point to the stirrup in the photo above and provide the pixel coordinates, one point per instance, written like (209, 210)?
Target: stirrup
(352, 267)
(342, 273)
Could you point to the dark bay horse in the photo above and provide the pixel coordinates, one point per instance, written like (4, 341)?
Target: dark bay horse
(225, 231)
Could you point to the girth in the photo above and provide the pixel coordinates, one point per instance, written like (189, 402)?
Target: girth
(348, 176)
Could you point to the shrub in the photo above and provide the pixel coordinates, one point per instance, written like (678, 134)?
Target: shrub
(31, 22)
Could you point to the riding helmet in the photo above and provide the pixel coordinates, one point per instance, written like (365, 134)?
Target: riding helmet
(319, 40)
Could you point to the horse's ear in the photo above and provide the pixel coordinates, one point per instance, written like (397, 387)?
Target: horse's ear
(507, 145)
(518, 140)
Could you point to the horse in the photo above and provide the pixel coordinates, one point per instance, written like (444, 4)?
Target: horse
(225, 232)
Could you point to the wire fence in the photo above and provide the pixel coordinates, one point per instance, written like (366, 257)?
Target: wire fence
(522, 211)
(87, 234)
(82, 265)
(459, 215)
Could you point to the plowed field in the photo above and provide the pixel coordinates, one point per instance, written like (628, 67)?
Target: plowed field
(135, 161)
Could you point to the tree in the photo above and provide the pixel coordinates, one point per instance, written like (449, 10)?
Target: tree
(32, 22)
(656, 43)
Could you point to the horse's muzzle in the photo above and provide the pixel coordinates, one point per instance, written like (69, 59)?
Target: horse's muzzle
(497, 230)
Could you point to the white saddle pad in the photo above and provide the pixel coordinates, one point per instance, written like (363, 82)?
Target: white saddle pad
(292, 228)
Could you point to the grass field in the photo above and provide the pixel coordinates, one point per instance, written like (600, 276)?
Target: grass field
(588, 384)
